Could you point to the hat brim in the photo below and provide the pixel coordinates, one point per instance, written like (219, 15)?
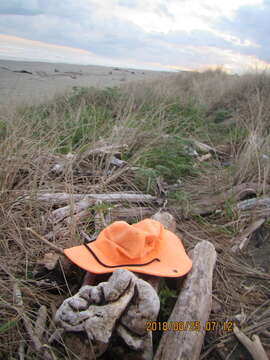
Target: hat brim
(174, 261)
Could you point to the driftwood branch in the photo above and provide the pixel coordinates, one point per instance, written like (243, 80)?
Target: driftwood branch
(251, 204)
(68, 210)
(254, 346)
(193, 304)
(241, 242)
(204, 148)
(62, 198)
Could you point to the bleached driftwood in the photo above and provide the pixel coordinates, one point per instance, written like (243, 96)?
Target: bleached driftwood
(253, 204)
(241, 242)
(113, 160)
(98, 310)
(254, 346)
(204, 148)
(193, 304)
(68, 210)
(62, 198)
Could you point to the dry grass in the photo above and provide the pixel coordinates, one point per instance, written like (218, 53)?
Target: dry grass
(156, 120)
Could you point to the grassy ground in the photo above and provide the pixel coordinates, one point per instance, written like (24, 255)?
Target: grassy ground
(158, 121)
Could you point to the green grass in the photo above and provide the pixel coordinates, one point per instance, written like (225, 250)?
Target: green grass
(169, 160)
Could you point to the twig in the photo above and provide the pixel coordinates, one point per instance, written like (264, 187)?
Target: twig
(54, 247)
(21, 351)
(243, 239)
(254, 346)
(17, 295)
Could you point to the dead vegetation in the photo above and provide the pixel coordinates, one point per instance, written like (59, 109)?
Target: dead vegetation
(69, 167)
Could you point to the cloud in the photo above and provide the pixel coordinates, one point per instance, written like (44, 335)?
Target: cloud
(128, 3)
(252, 23)
(168, 32)
(17, 7)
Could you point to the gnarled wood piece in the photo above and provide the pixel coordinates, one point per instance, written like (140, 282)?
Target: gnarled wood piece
(193, 304)
(97, 310)
(254, 346)
(241, 242)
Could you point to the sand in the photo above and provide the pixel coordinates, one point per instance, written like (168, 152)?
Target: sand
(28, 83)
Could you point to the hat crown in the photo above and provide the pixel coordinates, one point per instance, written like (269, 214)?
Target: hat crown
(121, 242)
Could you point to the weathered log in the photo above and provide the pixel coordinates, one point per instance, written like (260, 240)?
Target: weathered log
(98, 311)
(252, 204)
(193, 305)
(254, 346)
(68, 210)
(242, 241)
(62, 198)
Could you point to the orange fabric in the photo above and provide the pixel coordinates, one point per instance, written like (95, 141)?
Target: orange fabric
(132, 245)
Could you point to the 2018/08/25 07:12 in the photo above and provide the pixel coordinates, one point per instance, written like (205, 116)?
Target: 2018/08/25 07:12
(226, 326)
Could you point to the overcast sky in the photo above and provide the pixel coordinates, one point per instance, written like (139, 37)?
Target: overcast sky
(150, 34)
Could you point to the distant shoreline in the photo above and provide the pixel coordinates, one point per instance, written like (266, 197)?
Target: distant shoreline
(28, 83)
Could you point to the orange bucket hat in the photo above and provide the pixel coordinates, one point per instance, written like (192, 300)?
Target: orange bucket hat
(146, 247)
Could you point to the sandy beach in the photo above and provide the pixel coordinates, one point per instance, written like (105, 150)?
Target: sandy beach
(28, 83)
